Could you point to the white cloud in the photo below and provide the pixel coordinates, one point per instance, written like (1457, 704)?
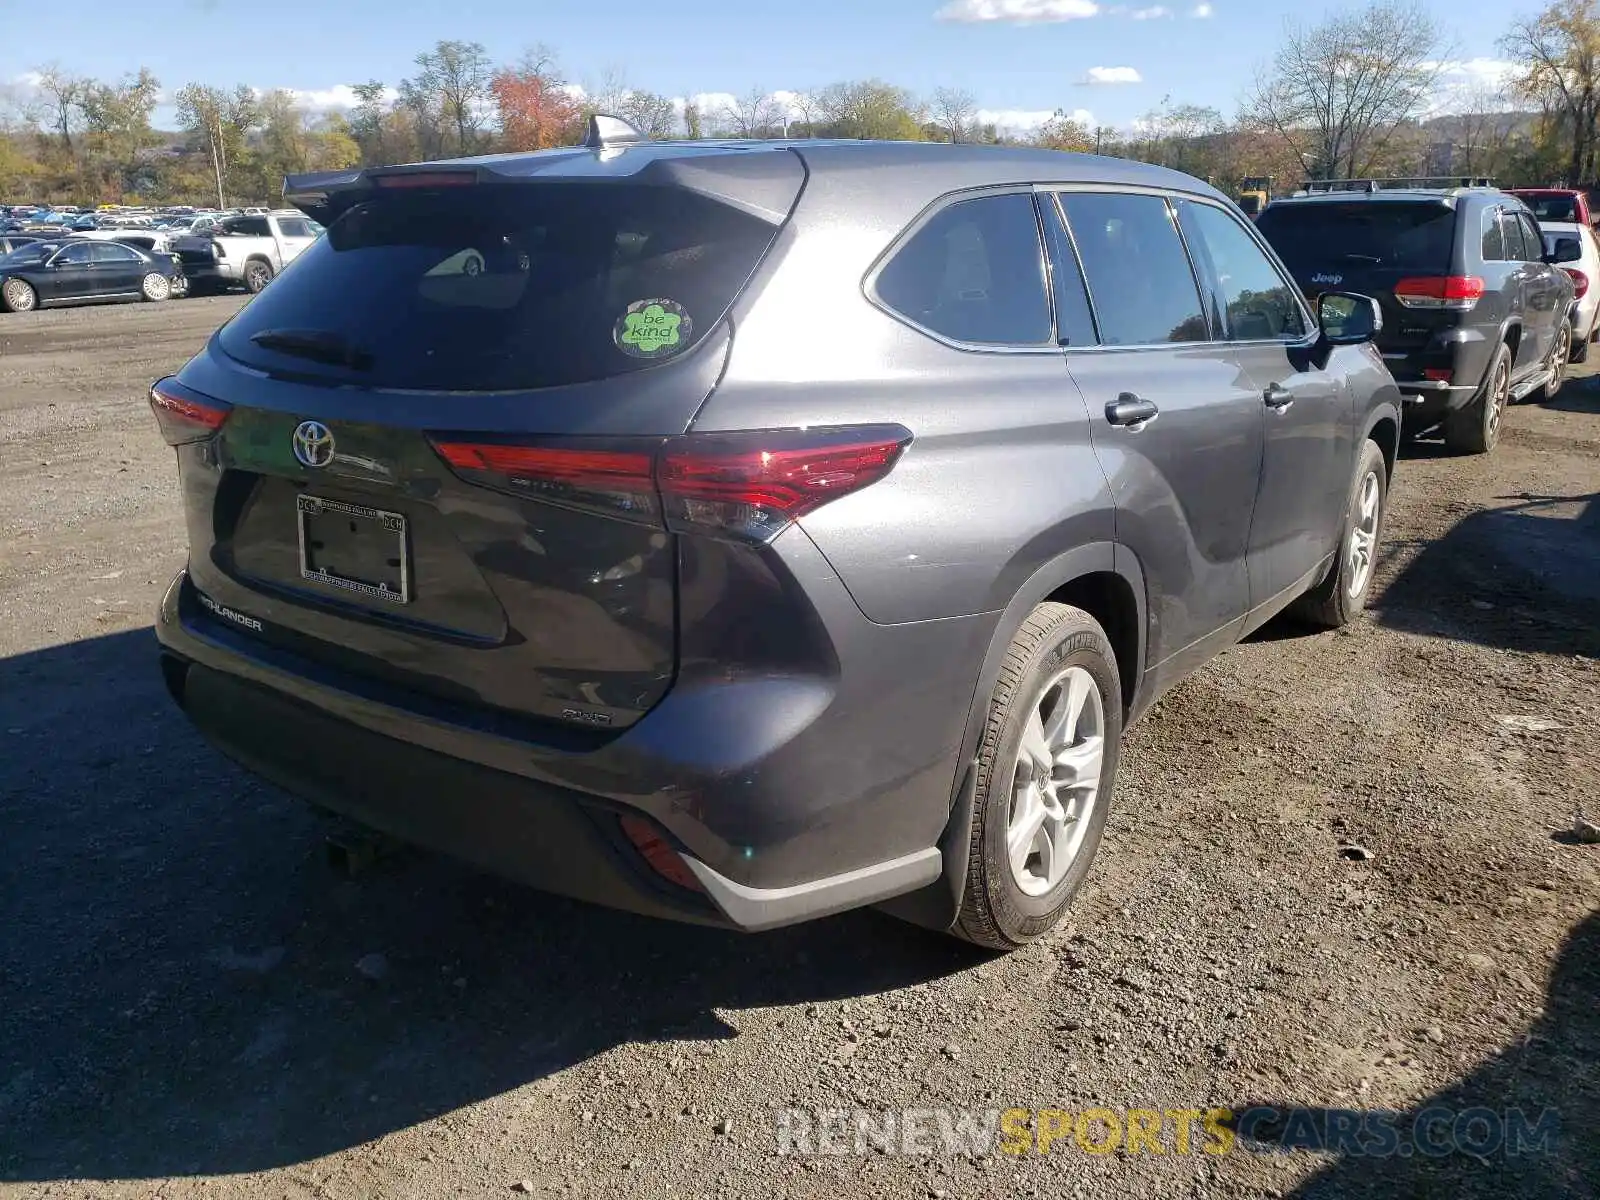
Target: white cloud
(1018, 12)
(1471, 84)
(1202, 11)
(340, 96)
(1154, 13)
(1097, 76)
(1028, 120)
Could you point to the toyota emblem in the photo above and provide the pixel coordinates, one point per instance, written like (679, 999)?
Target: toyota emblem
(313, 443)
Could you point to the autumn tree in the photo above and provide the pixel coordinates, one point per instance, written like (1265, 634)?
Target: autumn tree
(870, 109)
(1337, 93)
(1558, 53)
(533, 106)
(218, 121)
(1063, 132)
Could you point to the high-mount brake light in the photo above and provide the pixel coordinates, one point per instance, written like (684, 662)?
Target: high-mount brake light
(747, 486)
(1458, 293)
(185, 415)
(425, 179)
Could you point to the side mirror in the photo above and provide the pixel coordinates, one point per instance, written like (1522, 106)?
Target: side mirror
(1564, 250)
(1348, 318)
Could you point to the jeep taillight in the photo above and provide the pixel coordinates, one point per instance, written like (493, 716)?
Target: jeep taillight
(1459, 293)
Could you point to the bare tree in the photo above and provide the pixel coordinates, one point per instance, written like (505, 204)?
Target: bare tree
(63, 97)
(1483, 129)
(753, 115)
(1559, 53)
(1337, 93)
(954, 111)
(451, 88)
(810, 112)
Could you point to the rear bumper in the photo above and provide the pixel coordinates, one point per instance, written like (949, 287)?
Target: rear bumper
(774, 833)
(1462, 356)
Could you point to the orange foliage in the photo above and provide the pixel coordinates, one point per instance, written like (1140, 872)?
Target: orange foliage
(535, 113)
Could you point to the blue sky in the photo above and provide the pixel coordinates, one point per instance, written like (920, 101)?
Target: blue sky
(1020, 58)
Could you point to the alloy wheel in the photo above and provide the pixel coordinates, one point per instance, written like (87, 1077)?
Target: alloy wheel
(1499, 397)
(19, 296)
(1056, 782)
(1363, 543)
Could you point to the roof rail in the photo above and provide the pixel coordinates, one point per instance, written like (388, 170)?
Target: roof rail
(1312, 186)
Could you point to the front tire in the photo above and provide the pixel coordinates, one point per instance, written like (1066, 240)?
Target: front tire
(1475, 429)
(1046, 769)
(156, 287)
(1341, 596)
(19, 296)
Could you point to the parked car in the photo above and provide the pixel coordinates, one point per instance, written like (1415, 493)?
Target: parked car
(143, 239)
(1585, 275)
(245, 250)
(15, 241)
(1475, 313)
(740, 544)
(1566, 206)
(84, 271)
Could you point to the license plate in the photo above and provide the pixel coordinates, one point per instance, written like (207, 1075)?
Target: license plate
(358, 549)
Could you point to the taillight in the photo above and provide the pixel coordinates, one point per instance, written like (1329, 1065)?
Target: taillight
(1580, 281)
(184, 414)
(1456, 292)
(620, 482)
(658, 853)
(749, 486)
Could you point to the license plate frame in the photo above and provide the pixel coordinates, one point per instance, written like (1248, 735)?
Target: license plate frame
(387, 587)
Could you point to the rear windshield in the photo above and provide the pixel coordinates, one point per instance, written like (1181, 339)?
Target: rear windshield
(1553, 208)
(503, 287)
(1410, 237)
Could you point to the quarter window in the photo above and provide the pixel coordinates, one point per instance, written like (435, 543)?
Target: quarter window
(1511, 232)
(1140, 281)
(1260, 304)
(974, 273)
(1532, 242)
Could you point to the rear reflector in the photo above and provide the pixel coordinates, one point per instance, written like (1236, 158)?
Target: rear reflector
(1580, 281)
(184, 414)
(1437, 374)
(1456, 292)
(425, 179)
(748, 486)
(658, 852)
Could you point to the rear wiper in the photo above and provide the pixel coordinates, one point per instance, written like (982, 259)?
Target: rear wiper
(316, 344)
(1371, 258)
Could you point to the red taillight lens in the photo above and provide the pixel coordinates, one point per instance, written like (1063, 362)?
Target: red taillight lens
(616, 481)
(1455, 292)
(1580, 281)
(751, 485)
(1437, 374)
(184, 414)
(742, 485)
(658, 852)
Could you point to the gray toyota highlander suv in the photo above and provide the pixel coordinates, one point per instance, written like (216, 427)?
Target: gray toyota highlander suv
(745, 532)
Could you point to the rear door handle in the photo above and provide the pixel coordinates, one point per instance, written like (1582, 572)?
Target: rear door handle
(1278, 397)
(1131, 411)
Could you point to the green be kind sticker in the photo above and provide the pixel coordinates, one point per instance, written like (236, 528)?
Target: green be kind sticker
(653, 329)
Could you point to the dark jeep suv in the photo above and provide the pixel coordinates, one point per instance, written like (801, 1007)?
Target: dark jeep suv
(744, 532)
(1475, 315)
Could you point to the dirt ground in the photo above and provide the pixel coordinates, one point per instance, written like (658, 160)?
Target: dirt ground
(193, 1004)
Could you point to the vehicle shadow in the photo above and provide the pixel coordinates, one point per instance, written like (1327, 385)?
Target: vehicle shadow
(1523, 576)
(179, 962)
(1553, 1069)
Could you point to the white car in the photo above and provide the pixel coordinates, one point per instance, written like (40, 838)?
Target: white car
(1585, 282)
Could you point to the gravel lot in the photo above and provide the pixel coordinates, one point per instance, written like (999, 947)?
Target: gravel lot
(193, 1003)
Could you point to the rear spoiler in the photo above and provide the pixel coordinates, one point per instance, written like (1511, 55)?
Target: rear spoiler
(763, 180)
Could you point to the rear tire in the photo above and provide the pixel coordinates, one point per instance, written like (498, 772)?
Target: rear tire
(1560, 353)
(1341, 596)
(1046, 769)
(18, 296)
(1580, 347)
(156, 287)
(1475, 429)
(257, 274)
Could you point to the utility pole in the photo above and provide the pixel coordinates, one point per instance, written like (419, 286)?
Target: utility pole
(216, 160)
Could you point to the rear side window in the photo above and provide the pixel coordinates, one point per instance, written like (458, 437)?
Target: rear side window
(1260, 302)
(1532, 241)
(974, 273)
(1377, 233)
(505, 287)
(247, 227)
(1511, 235)
(1140, 281)
(297, 227)
(1494, 240)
